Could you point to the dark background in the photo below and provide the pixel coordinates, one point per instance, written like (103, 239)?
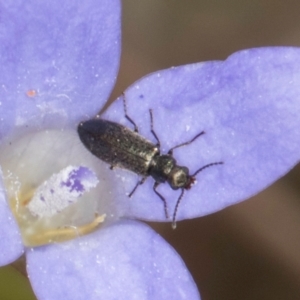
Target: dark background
(250, 250)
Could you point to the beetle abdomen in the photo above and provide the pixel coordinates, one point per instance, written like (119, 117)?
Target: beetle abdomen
(117, 145)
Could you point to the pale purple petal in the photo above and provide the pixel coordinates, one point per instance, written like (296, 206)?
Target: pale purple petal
(249, 108)
(11, 246)
(127, 260)
(59, 61)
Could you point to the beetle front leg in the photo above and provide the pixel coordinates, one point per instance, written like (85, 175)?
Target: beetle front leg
(162, 198)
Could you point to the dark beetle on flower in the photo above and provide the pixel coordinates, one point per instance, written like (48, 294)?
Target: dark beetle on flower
(124, 148)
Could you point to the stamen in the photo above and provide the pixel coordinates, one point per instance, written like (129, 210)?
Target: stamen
(63, 234)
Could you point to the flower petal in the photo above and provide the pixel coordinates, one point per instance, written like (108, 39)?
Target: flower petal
(11, 246)
(249, 108)
(59, 60)
(127, 260)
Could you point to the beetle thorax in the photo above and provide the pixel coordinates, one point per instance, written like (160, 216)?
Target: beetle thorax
(161, 167)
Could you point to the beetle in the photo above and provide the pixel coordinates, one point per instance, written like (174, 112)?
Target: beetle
(122, 147)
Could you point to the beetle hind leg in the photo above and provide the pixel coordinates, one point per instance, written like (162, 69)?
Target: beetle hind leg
(136, 186)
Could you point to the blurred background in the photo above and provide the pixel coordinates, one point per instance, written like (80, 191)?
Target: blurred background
(250, 250)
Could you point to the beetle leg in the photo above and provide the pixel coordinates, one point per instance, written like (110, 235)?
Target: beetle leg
(126, 115)
(152, 129)
(170, 152)
(162, 198)
(136, 186)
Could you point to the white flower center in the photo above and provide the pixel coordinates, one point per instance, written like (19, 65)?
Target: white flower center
(55, 187)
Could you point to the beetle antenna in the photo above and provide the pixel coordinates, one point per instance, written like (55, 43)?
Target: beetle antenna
(182, 190)
(176, 208)
(207, 166)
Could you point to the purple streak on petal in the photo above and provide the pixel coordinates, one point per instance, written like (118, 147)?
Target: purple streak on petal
(11, 243)
(127, 260)
(59, 60)
(249, 108)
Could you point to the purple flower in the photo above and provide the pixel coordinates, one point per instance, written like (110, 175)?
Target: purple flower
(59, 63)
